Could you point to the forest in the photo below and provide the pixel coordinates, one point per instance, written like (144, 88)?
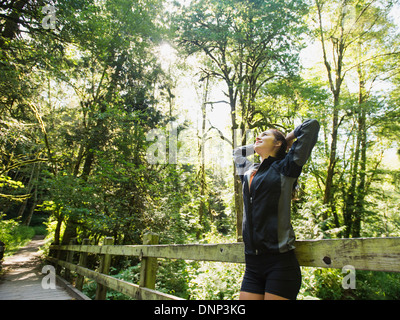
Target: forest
(119, 117)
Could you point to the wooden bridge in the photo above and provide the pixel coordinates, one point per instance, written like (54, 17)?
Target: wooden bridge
(378, 254)
(22, 277)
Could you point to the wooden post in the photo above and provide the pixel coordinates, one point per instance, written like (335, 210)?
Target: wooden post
(54, 253)
(148, 268)
(69, 258)
(57, 266)
(105, 263)
(82, 263)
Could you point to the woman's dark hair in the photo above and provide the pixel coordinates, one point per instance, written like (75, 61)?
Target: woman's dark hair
(279, 136)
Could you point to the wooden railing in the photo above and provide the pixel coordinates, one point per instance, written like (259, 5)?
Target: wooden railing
(378, 254)
(2, 249)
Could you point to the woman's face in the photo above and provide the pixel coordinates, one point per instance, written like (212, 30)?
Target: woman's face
(266, 145)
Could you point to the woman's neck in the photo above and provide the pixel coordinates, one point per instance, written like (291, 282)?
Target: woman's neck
(267, 156)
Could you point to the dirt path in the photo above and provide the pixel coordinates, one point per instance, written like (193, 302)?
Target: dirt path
(22, 279)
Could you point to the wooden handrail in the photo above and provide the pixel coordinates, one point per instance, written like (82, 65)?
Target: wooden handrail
(127, 288)
(377, 254)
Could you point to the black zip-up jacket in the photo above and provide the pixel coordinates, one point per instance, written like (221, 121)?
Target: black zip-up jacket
(266, 220)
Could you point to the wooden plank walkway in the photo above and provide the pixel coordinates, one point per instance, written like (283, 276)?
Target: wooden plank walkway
(22, 277)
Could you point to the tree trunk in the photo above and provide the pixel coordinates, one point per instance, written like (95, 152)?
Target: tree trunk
(202, 171)
(238, 197)
(361, 192)
(349, 206)
(360, 166)
(98, 136)
(28, 219)
(12, 22)
(57, 232)
(30, 187)
(335, 87)
(332, 157)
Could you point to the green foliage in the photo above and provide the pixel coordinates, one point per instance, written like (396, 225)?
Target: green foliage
(326, 284)
(14, 235)
(215, 280)
(127, 273)
(77, 104)
(377, 285)
(7, 227)
(173, 277)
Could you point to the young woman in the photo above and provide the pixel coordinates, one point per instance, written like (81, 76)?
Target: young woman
(272, 271)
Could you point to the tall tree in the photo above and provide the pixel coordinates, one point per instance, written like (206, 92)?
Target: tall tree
(340, 26)
(116, 68)
(375, 52)
(249, 43)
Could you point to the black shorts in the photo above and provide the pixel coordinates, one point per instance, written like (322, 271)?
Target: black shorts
(275, 273)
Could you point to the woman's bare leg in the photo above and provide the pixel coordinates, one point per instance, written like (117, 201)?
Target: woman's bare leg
(250, 296)
(270, 296)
